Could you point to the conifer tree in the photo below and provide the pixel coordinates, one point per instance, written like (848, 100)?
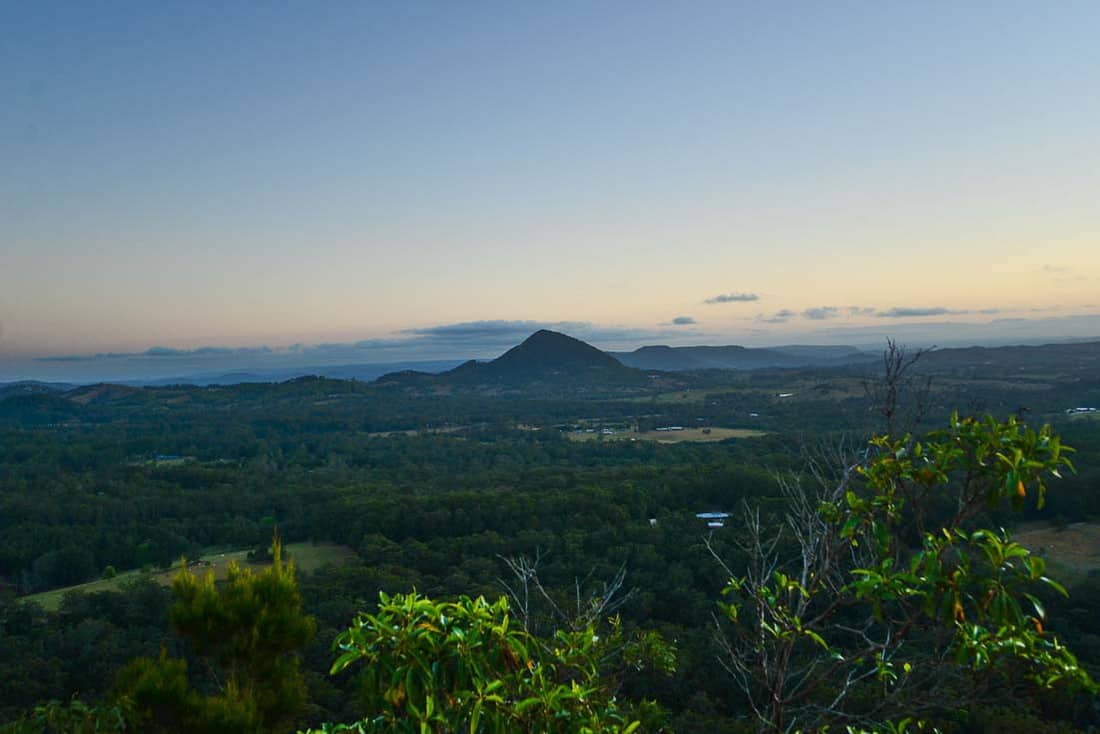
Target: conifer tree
(247, 632)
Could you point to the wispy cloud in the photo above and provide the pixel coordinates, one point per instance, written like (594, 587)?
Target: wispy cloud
(779, 317)
(903, 312)
(732, 298)
(681, 321)
(200, 352)
(1063, 273)
(860, 311)
(821, 313)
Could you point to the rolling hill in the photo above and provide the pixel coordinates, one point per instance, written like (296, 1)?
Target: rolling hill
(678, 359)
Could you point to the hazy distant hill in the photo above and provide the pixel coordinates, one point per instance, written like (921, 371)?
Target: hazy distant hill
(32, 387)
(1075, 356)
(824, 351)
(732, 357)
(363, 372)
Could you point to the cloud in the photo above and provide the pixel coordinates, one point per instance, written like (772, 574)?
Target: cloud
(732, 298)
(821, 313)
(779, 317)
(682, 321)
(1061, 269)
(200, 352)
(903, 312)
(907, 312)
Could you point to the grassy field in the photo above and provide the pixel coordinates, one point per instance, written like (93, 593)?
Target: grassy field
(688, 434)
(306, 557)
(693, 396)
(1073, 549)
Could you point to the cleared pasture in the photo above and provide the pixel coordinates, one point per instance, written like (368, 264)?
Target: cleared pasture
(306, 557)
(701, 435)
(1072, 549)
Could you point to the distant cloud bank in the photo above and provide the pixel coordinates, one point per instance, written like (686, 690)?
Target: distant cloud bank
(824, 313)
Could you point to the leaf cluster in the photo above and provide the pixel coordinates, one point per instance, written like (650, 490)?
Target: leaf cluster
(466, 665)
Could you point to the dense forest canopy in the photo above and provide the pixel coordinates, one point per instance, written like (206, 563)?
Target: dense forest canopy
(435, 486)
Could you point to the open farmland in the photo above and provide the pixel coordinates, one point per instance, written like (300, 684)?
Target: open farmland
(305, 556)
(1073, 549)
(685, 434)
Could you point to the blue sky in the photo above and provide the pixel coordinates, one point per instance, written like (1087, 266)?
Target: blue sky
(195, 175)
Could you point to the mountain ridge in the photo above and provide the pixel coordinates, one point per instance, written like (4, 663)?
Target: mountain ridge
(735, 357)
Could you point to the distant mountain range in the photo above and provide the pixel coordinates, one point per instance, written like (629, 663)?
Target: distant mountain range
(32, 387)
(1080, 356)
(546, 356)
(361, 372)
(678, 359)
(552, 359)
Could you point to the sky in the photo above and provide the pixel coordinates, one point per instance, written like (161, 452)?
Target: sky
(383, 181)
